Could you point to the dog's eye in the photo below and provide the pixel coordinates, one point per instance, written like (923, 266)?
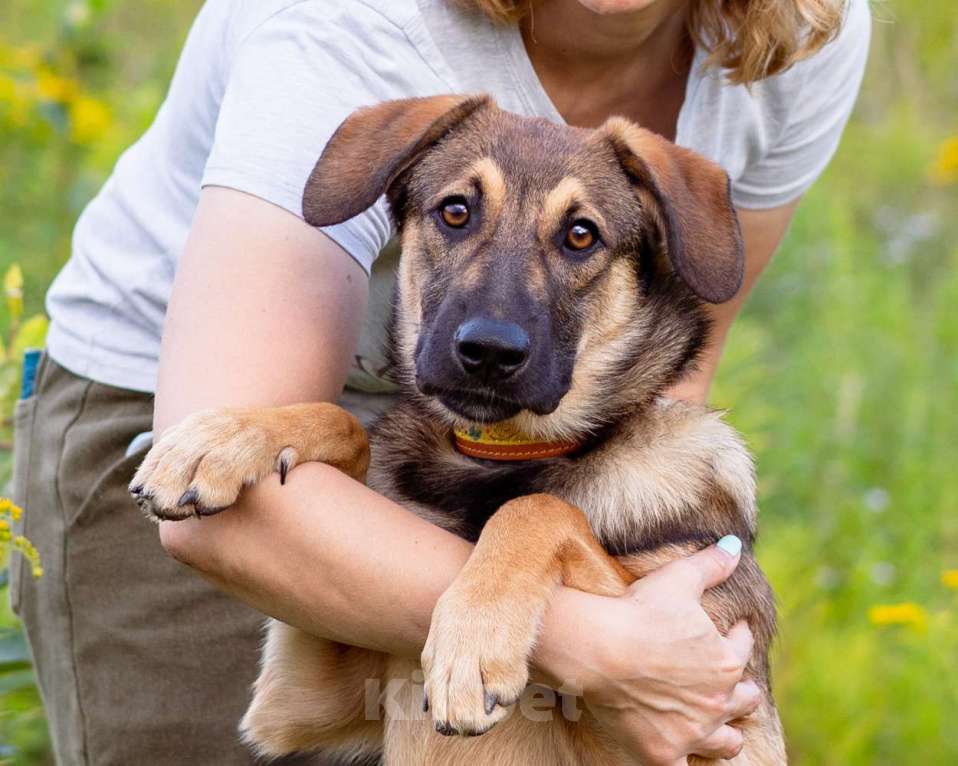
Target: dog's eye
(455, 212)
(582, 235)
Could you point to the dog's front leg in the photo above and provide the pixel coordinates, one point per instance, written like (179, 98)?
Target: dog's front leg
(484, 626)
(200, 465)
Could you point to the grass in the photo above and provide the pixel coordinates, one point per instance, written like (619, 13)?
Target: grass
(842, 371)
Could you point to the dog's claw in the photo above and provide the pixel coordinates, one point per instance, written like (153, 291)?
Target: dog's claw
(491, 700)
(425, 703)
(445, 728)
(137, 490)
(283, 470)
(188, 498)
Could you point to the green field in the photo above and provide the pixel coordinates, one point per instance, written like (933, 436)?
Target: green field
(842, 372)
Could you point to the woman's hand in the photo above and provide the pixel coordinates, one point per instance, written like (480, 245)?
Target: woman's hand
(651, 664)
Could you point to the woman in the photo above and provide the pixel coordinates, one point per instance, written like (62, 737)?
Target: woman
(197, 236)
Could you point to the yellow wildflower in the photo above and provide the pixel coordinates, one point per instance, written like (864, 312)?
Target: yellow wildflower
(949, 578)
(944, 170)
(13, 290)
(13, 280)
(907, 613)
(90, 119)
(28, 550)
(53, 87)
(10, 509)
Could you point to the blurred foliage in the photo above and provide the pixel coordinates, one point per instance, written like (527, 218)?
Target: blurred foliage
(16, 676)
(20, 335)
(842, 372)
(19, 702)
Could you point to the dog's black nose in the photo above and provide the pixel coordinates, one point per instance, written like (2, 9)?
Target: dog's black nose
(491, 349)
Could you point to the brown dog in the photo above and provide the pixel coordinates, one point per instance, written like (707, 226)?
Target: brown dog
(551, 287)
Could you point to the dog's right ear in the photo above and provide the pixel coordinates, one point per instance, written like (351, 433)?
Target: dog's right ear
(372, 148)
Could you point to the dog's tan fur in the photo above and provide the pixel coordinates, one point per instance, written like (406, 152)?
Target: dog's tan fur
(222, 451)
(489, 174)
(659, 479)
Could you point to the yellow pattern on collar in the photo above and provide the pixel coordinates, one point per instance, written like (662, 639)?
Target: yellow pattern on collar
(503, 441)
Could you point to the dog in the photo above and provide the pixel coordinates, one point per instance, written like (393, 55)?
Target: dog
(552, 286)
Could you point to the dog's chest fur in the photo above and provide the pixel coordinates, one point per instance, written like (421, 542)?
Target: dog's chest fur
(674, 473)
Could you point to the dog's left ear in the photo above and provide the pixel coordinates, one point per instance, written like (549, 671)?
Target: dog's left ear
(695, 213)
(373, 147)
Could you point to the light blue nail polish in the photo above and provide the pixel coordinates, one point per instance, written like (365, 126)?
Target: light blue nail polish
(731, 545)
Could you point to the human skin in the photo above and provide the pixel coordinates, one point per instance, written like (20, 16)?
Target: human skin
(334, 558)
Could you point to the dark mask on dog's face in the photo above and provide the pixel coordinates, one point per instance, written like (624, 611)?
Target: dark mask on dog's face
(550, 275)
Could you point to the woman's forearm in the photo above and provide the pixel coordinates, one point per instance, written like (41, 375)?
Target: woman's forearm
(328, 555)
(338, 560)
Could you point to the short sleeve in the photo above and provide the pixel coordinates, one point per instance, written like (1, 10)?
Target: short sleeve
(815, 106)
(292, 80)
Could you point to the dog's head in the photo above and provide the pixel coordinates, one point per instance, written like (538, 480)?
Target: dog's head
(551, 275)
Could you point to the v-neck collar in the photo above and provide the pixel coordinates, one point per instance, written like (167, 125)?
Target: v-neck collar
(533, 94)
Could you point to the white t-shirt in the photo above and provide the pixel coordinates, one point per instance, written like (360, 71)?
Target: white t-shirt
(262, 84)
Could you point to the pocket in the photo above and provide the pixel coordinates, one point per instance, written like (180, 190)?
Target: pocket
(23, 419)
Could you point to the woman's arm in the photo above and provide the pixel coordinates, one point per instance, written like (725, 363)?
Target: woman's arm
(762, 232)
(265, 311)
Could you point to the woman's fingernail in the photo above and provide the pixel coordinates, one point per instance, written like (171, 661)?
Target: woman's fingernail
(731, 545)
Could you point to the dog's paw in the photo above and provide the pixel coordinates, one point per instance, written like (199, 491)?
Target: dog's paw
(475, 661)
(201, 465)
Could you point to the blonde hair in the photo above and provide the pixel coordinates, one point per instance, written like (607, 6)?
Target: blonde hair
(750, 39)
